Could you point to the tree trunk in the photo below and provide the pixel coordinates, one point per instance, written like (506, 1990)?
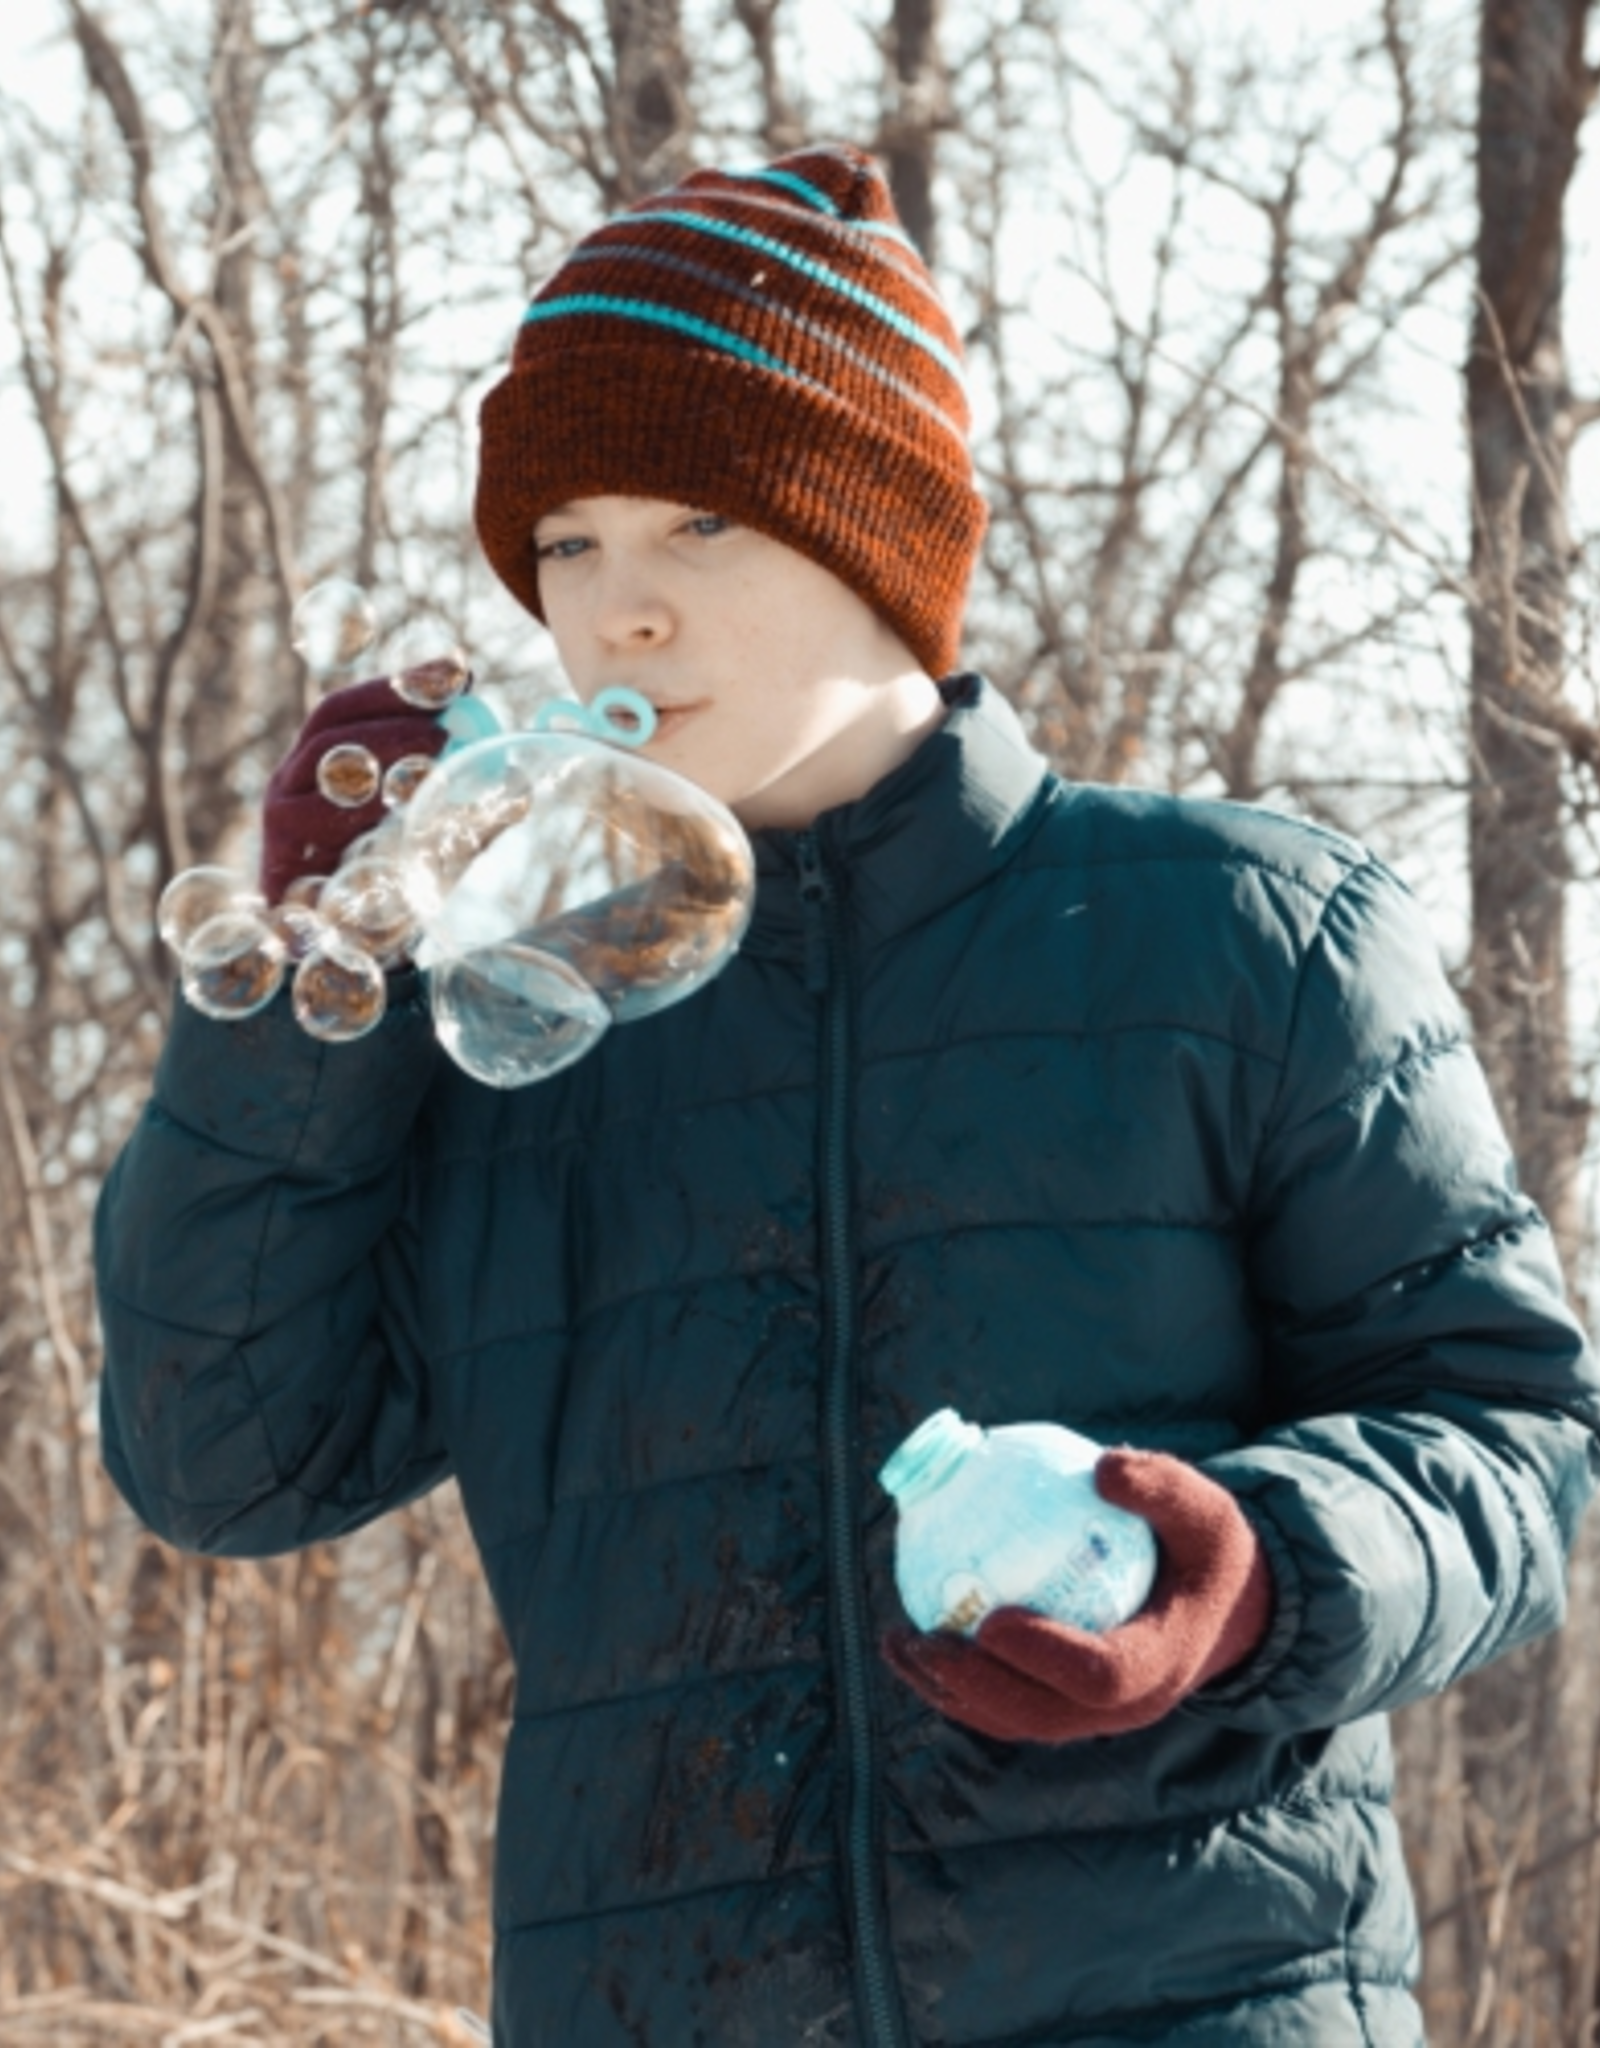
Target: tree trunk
(224, 686)
(1514, 1886)
(1534, 91)
(919, 110)
(652, 124)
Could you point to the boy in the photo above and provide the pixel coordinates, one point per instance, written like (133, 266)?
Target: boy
(1040, 1102)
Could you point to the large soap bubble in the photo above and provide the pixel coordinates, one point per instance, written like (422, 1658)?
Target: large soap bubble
(509, 1014)
(636, 878)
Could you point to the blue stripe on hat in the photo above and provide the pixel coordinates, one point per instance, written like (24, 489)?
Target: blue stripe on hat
(916, 276)
(660, 316)
(819, 273)
(801, 187)
(769, 308)
(813, 195)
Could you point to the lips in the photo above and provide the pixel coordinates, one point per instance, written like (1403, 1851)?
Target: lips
(670, 717)
(671, 712)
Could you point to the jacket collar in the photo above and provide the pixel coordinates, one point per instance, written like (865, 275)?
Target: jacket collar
(932, 830)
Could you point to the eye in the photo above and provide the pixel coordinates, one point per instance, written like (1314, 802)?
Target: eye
(706, 525)
(561, 550)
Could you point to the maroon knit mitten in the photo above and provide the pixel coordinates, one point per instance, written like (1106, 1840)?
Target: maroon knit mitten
(301, 832)
(1025, 1679)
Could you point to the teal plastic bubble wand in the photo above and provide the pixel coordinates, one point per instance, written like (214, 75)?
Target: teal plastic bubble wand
(619, 715)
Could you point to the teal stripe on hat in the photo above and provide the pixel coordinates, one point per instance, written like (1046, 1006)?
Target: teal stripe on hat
(801, 187)
(819, 273)
(818, 198)
(769, 310)
(660, 316)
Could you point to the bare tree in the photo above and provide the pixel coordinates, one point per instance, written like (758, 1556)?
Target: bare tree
(1180, 481)
(652, 127)
(1516, 1856)
(253, 286)
(918, 110)
(1536, 89)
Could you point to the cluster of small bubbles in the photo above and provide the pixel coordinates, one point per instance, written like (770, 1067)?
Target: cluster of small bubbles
(234, 952)
(368, 903)
(332, 627)
(297, 925)
(550, 884)
(349, 775)
(336, 933)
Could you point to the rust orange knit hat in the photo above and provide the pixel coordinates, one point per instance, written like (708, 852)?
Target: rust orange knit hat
(765, 344)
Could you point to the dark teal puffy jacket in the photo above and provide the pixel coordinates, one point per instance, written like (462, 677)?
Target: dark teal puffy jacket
(1153, 1117)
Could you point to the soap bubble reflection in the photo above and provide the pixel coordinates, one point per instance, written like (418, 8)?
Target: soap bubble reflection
(338, 993)
(232, 965)
(511, 1014)
(426, 665)
(298, 927)
(640, 881)
(333, 626)
(349, 776)
(368, 903)
(403, 778)
(197, 894)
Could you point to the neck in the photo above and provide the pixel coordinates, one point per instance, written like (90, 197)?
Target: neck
(909, 709)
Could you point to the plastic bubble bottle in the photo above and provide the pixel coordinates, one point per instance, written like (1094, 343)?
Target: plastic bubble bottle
(1009, 1517)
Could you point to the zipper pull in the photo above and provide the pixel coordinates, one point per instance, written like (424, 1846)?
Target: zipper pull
(816, 892)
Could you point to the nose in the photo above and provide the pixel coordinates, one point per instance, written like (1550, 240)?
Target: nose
(630, 611)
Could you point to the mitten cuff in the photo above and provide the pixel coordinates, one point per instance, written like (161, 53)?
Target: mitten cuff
(1251, 1670)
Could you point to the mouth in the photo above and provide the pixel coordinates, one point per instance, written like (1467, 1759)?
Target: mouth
(671, 718)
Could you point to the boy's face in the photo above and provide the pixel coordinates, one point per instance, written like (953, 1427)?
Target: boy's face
(776, 687)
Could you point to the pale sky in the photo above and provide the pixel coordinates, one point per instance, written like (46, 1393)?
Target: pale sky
(44, 75)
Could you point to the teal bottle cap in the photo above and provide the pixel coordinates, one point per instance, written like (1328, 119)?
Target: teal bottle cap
(929, 1455)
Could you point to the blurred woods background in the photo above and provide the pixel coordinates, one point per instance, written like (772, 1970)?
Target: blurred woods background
(1282, 443)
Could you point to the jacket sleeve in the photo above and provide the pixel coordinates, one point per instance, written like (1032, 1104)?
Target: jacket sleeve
(1430, 1403)
(265, 1383)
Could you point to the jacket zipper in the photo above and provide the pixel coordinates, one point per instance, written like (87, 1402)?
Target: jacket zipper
(827, 976)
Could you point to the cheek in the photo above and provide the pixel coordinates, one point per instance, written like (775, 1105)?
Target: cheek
(564, 608)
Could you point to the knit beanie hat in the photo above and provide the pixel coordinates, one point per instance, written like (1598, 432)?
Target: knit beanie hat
(765, 344)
